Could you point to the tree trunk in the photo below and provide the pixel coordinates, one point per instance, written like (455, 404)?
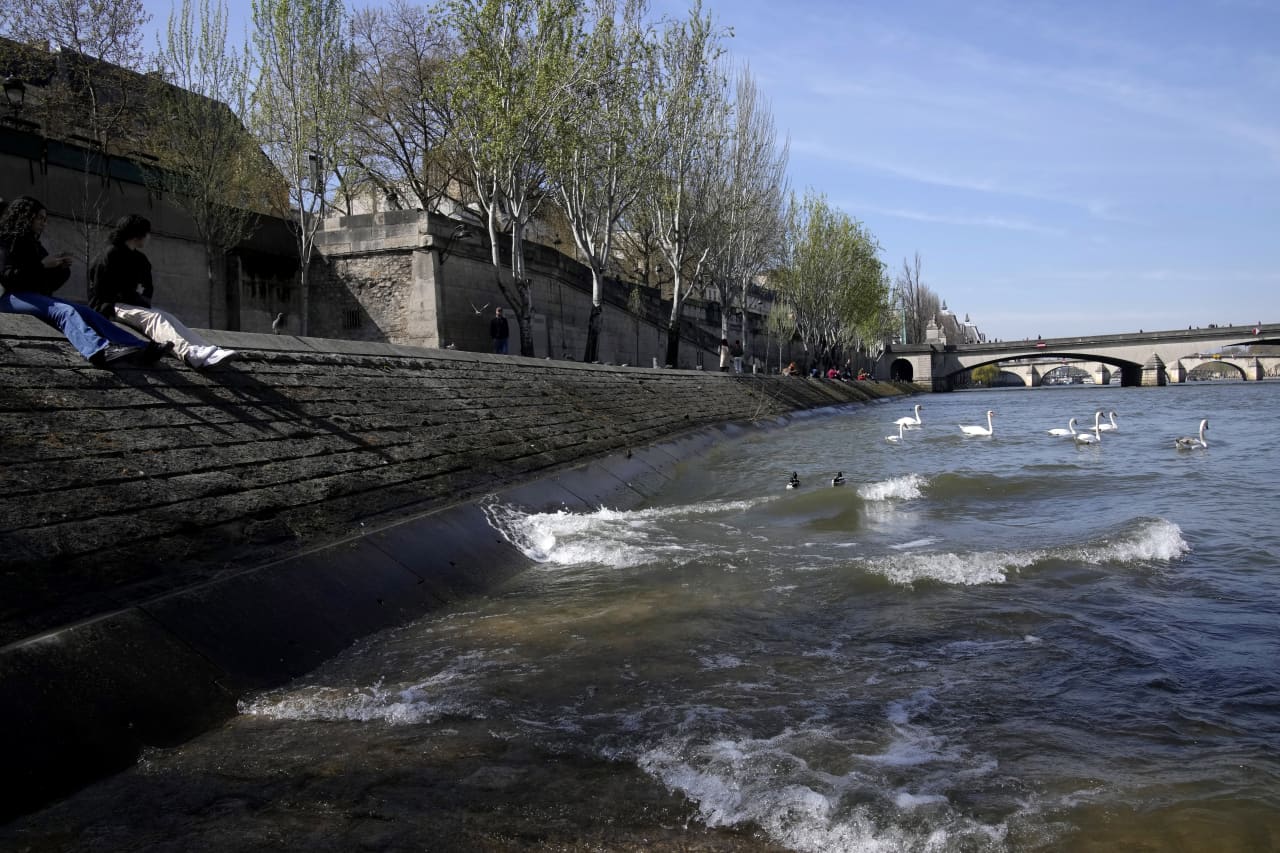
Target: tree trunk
(673, 343)
(592, 352)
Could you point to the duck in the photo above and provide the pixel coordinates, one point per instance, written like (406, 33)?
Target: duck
(838, 479)
(989, 429)
(895, 439)
(794, 482)
(1111, 427)
(1190, 442)
(911, 422)
(1070, 430)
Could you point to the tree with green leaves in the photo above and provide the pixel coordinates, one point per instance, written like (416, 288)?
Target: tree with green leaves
(687, 111)
(208, 161)
(517, 77)
(833, 280)
(301, 108)
(600, 156)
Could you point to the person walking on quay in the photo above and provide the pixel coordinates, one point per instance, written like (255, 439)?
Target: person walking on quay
(28, 277)
(500, 331)
(736, 352)
(120, 287)
(724, 355)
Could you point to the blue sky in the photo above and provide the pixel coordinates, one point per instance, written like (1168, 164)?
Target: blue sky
(1062, 168)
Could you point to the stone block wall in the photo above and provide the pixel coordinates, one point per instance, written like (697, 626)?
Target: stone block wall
(120, 485)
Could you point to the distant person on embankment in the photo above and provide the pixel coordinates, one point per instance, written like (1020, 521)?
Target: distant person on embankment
(29, 275)
(500, 331)
(120, 286)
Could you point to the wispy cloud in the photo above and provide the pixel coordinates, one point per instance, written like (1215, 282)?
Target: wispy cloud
(1000, 222)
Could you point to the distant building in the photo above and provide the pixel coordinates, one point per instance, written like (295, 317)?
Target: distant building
(946, 329)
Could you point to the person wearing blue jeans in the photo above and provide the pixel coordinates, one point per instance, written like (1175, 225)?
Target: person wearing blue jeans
(29, 275)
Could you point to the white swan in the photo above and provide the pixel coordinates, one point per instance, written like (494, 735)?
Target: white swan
(989, 429)
(1070, 430)
(1190, 442)
(909, 422)
(1094, 437)
(1111, 427)
(895, 439)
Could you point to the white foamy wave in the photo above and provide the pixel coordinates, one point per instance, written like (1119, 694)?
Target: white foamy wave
(448, 693)
(768, 783)
(614, 538)
(979, 567)
(1151, 539)
(904, 488)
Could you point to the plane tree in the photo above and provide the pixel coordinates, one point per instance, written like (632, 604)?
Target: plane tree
(601, 156)
(832, 279)
(301, 108)
(207, 159)
(515, 79)
(687, 111)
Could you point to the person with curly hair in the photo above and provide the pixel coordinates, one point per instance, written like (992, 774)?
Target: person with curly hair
(120, 287)
(29, 275)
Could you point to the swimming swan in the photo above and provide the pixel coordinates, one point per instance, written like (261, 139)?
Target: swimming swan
(909, 422)
(989, 429)
(895, 439)
(1070, 430)
(1188, 442)
(1094, 437)
(1111, 427)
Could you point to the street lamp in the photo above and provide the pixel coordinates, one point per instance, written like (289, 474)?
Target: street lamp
(15, 92)
(459, 231)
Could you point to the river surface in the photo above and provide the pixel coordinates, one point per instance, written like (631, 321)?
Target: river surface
(1007, 643)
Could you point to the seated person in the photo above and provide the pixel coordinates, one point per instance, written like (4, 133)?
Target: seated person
(120, 287)
(29, 275)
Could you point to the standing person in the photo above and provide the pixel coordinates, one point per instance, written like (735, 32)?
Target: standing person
(500, 331)
(736, 352)
(120, 287)
(724, 355)
(29, 275)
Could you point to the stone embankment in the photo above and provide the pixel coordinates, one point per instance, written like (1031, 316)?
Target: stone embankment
(170, 538)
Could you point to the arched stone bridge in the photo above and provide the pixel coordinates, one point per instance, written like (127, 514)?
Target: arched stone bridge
(1141, 358)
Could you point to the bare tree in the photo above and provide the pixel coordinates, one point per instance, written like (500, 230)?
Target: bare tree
(207, 158)
(400, 122)
(301, 108)
(92, 97)
(749, 225)
(916, 302)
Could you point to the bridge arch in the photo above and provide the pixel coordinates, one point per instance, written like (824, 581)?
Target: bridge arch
(901, 370)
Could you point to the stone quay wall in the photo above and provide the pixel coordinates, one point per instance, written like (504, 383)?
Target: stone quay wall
(170, 539)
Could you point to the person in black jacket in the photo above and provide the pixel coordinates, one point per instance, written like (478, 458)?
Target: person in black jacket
(29, 275)
(120, 287)
(500, 331)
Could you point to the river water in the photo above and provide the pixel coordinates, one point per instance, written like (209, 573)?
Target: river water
(1012, 643)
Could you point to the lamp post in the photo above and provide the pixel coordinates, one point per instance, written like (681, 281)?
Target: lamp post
(459, 231)
(15, 92)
